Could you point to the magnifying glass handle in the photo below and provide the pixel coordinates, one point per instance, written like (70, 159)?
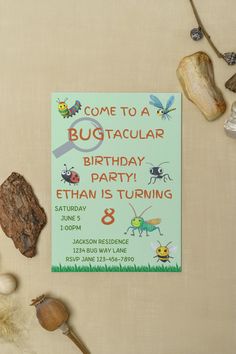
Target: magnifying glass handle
(61, 150)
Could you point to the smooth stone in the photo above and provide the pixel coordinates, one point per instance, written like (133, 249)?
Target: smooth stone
(196, 76)
(231, 83)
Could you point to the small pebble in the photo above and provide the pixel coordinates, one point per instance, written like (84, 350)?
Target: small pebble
(196, 34)
(230, 58)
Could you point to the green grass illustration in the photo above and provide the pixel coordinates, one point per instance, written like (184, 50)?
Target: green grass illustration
(143, 268)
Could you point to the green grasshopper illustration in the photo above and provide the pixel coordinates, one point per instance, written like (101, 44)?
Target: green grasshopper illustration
(138, 223)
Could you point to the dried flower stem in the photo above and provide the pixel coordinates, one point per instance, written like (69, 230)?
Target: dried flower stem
(66, 330)
(206, 34)
(77, 342)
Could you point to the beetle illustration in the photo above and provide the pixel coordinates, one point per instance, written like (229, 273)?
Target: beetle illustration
(161, 111)
(70, 176)
(138, 223)
(68, 112)
(158, 173)
(163, 252)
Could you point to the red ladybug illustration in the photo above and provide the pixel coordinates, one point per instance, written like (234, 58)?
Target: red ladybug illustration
(70, 176)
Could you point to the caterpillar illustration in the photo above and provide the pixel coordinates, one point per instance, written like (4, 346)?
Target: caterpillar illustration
(68, 112)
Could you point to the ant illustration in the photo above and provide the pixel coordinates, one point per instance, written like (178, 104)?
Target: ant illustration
(158, 173)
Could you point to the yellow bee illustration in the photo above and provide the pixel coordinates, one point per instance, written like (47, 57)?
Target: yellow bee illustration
(163, 252)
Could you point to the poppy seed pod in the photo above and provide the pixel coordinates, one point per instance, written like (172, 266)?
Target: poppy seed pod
(52, 314)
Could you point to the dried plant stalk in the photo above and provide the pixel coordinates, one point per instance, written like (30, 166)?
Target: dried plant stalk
(203, 29)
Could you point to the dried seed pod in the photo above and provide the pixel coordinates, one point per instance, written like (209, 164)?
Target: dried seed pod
(52, 314)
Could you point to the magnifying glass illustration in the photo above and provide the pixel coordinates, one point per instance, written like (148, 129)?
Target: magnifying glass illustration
(69, 145)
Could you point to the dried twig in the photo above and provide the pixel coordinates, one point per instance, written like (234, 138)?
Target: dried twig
(206, 34)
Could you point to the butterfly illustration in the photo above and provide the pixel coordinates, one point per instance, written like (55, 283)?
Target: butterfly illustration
(161, 111)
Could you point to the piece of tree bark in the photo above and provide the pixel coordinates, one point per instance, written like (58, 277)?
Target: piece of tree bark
(21, 216)
(231, 83)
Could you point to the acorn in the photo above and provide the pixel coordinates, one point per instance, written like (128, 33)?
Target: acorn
(52, 315)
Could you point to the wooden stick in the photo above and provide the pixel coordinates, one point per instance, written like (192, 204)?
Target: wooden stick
(206, 34)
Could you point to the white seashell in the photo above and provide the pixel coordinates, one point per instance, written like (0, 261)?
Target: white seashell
(7, 284)
(196, 76)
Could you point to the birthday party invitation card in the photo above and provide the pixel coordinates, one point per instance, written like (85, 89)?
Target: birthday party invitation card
(116, 182)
